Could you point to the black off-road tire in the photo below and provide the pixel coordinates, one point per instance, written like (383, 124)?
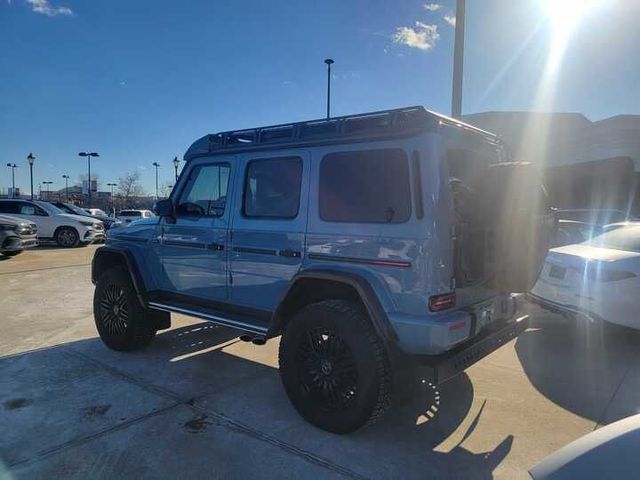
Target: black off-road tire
(67, 237)
(334, 366)
(120, 318)
(12, 253)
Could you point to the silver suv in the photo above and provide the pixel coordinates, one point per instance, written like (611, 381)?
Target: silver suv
(16, 235)
(53, 224)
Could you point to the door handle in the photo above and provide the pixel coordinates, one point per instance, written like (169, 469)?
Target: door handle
(289, 253)
(218, 247)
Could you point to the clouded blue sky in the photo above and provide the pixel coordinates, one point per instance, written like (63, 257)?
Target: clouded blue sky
(138, 80)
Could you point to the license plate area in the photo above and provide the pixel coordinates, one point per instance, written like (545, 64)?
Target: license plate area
(557, 272)
(485, 314)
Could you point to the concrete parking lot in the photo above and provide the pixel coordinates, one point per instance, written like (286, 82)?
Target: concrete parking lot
(200, 403)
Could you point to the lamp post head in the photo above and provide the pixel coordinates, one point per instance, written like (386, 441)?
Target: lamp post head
(176, 162)
(65, 176)
(329, 61)
(156, 164)
(31, 158)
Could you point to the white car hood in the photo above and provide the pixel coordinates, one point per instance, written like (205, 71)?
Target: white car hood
(589, 252)
(78, 218)
(610, 452)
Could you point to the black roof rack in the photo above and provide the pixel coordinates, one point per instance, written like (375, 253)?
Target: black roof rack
(361, 127)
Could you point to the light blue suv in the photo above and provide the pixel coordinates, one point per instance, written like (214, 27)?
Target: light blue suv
(359, 239)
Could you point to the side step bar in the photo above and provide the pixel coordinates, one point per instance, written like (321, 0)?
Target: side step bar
(215, 318)
(448, 365)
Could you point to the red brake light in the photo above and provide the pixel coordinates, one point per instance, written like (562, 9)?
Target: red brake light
(444, 301)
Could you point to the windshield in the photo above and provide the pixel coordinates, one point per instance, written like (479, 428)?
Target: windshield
(131, 213)
(626, 238)
(76, 210)
(52, 209)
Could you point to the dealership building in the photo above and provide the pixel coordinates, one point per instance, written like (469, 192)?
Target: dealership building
(586, 164)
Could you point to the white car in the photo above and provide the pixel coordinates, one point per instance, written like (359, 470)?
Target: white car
(53, 224)
(128, 216)
(599, 279)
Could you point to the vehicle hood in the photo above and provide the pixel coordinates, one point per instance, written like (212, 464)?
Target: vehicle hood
(14, 220)
(79, 218)
(588, 252)
(144, 221)
(609, 452)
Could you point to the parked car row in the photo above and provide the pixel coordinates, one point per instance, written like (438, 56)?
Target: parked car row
(16, 235)
(24, 223)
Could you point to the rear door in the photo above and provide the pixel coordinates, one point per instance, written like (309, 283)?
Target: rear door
(193, 246)
(269, 227)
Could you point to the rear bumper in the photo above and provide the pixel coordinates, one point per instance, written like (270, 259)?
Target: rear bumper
(438, 334)
(450, 364)
(561, 309)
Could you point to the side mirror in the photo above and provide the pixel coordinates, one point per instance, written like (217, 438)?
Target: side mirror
(163, 208)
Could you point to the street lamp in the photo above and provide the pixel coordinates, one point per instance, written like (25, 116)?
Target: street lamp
(329, 62)
(89, 155)
(156, 164)
(47, 183)
(31, 158)
(176, 162)
(13, 167)
(66, 186)
(458, 61)
(113, 206)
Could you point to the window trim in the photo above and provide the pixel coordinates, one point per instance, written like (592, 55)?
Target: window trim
(409, 203)
(244, 188)
(197, 168)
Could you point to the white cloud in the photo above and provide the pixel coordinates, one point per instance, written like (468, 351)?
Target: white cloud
(432, 7)
(43, 6)
(450, 19)
(422, 37)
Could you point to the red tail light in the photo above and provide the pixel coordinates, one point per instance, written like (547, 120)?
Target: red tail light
(444, 301)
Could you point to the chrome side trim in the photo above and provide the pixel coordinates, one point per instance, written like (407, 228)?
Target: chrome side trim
(227, 322)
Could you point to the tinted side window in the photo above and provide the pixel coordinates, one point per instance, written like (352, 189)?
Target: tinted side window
(206, 191)
(272, 187)
(9, 207)
(368, 186)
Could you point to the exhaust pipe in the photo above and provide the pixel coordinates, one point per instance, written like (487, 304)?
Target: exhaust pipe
(255, 340)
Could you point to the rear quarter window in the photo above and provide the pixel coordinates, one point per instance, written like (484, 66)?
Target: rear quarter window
(365, 186)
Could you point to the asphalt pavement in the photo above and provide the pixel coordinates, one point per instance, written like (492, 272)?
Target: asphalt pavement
(200, 403)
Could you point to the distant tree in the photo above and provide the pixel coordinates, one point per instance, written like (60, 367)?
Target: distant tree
(129, 187)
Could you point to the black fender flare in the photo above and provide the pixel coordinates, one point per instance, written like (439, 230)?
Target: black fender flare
(129, 261)
(361, 285)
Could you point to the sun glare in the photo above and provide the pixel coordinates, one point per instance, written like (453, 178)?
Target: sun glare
(565, 15)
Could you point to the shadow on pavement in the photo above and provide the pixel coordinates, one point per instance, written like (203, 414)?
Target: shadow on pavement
(576, 364)
(70, 393)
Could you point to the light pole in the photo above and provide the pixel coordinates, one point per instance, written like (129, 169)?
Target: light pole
(31, 159)
(66, 186)
(113, 206)
(89, 155)
(329, 62)
(47, 184)
(156, 164)
(13, 167)
(458, 61)
(176, 162)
